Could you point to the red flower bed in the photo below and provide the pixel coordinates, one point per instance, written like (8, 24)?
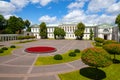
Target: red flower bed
(40, 49)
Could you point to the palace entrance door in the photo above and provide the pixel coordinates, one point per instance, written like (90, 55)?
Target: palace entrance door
(105, 36)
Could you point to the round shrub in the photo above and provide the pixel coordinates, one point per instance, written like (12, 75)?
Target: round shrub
(58, 57)
(100, 40)
(12, 46)
(72, 54)
(109, 42)
(4, 48)
(96, 57)
(1, 51)
(98, 44)
(112, 49)
(77, 51)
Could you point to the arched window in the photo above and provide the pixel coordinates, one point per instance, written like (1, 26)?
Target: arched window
(105, 30)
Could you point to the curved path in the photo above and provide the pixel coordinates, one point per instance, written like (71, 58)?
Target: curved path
(20, 65)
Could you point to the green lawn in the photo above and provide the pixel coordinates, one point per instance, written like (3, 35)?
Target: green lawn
(50, 60)
(108, 73)
(8, 52)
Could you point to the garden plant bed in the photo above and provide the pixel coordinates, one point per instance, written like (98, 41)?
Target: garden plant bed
(49, 60)
(40, 49)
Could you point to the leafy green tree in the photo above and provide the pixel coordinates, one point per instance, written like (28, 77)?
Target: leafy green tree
(79, 32)
(59, 32)
(91, 34)
(112, 49)
(27, 25)
(96, 57)
(43, 30)
(117, 21)
(3, 24)
(15, 25)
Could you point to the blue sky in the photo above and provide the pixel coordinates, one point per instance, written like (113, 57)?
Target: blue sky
(62, 11)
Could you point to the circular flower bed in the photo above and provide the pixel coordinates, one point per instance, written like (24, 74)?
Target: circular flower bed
(40, 49)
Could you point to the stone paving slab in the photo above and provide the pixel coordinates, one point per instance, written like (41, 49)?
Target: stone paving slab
(77, 63)
(19, 52)
(25, 60)
(51, 68)
(13, 70)
(6, 58)
(11, 78)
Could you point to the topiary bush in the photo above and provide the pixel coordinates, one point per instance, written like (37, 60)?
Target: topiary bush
(72, 54)
(109, 42)
(98, 44)
(96, 57)
(12, 46)
(77, 51)
(112, 49)
(4, 48)
(1, 51)
(100, 40)
(58, 57)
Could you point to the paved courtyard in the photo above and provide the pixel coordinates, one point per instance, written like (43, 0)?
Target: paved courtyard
(20, 65)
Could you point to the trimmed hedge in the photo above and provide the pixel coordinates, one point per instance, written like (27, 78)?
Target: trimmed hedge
(25, 37)
(4, 48)
(98, 44)
(100, 40)
(58, 57)
(1, 50)
(109, 42)
(77, 51)
(72, 54)
(12, 46)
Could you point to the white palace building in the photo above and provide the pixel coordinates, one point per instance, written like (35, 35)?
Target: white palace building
(105, 31)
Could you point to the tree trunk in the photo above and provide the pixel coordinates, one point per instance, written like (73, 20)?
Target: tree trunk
(96, 76)
(114, 56)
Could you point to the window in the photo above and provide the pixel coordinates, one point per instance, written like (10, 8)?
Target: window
(105, 30)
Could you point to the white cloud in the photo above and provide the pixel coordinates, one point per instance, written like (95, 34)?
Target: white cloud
(80, 16)
(48, 19)
(74, 16)
(76, 5)
(105, 19)
(114, 9)
(35, 1)
(98, 5)
(19, 3)
(6, 8)
(42, 2)
(8, 16)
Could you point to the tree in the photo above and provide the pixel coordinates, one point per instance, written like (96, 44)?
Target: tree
(43, 30)
(112, 49)
(79, 32)
(91, 34)
(59, 32)
(96, 57)
(27, 25)
(117, 21)
(15, 25)
(3, 24)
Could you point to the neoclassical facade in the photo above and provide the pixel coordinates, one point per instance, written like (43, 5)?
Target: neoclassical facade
(105, 31)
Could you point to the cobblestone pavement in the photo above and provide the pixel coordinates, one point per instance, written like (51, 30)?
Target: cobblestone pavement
(20, 65)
